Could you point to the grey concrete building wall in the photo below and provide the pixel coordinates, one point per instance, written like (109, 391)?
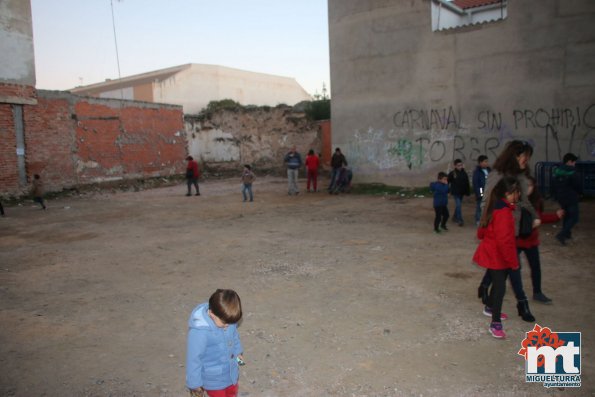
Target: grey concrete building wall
(407, 101)
(17, 63)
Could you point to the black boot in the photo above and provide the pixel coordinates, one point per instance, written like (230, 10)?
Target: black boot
(524, 312)
(482, 292)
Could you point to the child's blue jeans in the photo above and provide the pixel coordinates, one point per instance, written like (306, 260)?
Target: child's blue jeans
(247, 187)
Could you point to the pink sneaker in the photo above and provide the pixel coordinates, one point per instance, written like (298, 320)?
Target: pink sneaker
(488, 312)
(497, 331)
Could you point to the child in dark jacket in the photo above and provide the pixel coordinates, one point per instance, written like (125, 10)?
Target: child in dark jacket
(568, 187)
(480, 175)
(497, 248)
(440, 190)
(530, 245)
(37, 191)
(459, 187)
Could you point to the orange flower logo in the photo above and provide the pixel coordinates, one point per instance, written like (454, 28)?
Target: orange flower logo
(539, 337)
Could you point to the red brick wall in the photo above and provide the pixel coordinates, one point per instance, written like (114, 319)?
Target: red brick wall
(129, 141)
(73, 140)
(49, 142)
(9, 177)
(16, 93)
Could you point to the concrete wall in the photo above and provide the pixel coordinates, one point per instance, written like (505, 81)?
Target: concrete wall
(407, 101)
(17, 63)
(122, 93)
(196, 86)
(228, 139)
(72, 140)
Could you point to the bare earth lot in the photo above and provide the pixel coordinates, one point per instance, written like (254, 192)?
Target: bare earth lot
(343, 295)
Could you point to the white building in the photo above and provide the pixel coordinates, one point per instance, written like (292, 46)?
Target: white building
(194, 85)
(447, 14)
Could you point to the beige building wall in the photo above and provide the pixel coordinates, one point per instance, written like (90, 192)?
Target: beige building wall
(193, 86)
(196, 86)
(407, 101)
(144, 92)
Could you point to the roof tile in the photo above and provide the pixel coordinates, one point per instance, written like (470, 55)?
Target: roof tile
(466, 4)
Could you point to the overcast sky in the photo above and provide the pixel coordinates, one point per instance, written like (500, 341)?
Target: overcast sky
(74, 39)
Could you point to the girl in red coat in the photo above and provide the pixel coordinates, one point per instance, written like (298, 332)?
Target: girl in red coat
(530, 245)
(497, 250)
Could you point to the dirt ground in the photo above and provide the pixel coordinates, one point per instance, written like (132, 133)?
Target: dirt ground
(346, 295)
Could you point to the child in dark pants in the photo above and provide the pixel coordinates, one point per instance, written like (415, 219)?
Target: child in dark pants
(530, 244)
(192, 174)
(440, 190)
(568, 188)
(497, 250)
(37, 190)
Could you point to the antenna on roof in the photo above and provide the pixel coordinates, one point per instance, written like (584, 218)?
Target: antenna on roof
(116, 42)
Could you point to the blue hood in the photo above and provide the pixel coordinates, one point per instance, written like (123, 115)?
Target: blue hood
(200, 318)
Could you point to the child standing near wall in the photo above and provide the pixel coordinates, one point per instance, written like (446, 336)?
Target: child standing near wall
(480, 175)
(440, 190)
(247, 180)
(192, 174)
(312, 164)
(568, 188)
(497, 250)
(459, 187)
(37, 190)
(530, 245)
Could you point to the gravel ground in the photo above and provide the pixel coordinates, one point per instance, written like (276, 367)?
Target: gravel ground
(347, 295)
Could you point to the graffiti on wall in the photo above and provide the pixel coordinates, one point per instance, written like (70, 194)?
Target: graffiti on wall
(573, 125)
(421, 138)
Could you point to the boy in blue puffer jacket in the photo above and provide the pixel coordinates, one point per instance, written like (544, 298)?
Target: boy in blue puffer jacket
(214, 351)
(440, 190)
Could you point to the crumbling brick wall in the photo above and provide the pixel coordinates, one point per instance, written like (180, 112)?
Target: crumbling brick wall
(9, 178)
(49, 141)
(225, 139)
(72, 140)
(135, 140)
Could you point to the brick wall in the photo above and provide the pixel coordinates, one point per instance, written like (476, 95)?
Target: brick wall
(72, 140)
(17, 93)
(49, 142)
(9, 178)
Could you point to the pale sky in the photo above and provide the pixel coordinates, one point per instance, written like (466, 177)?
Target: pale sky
(74, 39)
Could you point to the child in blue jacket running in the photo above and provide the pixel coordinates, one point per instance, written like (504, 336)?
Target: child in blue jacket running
(214, 351)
